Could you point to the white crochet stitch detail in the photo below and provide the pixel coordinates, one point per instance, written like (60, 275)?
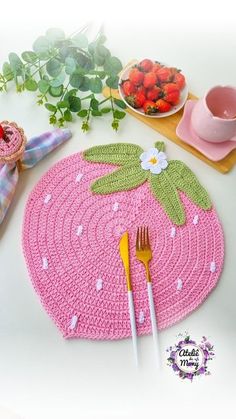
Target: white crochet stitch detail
(213, 267)
(47, 198)
(179, 284)
(79, 230)
(45, 263)
(173, 232)
(115, 207)
(79, 177)
(195, 219)
(99, 284)
(73, 323)
(141, 317)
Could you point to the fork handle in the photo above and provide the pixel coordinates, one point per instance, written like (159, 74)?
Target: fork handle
(154, 323)
(133, 325)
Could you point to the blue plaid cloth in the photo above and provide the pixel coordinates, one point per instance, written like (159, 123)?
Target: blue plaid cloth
(36, 148)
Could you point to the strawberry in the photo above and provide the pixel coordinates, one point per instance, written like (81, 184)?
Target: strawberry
(179, 79)
(128, 87)
(136, 100)
(150, 80)
(145, 65)
(149, 107)
(171, 93)
(156, 67)
(141, 89)
(163, 106)
(136, 77)
(164, 74)
(173, 70)
(153, 93)
(1, 132)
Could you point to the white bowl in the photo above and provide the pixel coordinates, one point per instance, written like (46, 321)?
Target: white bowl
(183, 96)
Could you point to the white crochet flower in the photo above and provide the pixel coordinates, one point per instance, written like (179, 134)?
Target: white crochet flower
(154, 160)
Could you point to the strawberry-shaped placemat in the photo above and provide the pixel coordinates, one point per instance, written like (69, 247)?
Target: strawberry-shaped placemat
(73, 222)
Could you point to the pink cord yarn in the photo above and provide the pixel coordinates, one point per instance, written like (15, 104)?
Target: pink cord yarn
(71, 246)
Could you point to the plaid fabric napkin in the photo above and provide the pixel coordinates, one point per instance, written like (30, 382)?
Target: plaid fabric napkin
(36, 148)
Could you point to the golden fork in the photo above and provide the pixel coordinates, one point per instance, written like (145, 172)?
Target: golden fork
(144, 255)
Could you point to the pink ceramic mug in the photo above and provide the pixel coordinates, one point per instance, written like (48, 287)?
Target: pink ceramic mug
(214, 116)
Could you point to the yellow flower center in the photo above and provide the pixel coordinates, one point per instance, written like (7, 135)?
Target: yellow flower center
(153, 160)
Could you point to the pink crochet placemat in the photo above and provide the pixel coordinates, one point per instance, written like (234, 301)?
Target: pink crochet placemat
(71, 245)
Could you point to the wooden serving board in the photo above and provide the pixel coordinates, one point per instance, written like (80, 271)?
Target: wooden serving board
(167, 127)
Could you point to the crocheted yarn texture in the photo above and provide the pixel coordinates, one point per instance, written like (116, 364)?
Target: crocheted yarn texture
(71, 244)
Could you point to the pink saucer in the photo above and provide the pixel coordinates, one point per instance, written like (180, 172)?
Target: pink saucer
(214, 152)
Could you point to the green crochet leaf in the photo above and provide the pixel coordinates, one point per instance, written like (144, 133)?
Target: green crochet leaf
(128, 177)
(160, 145)
(120, 154)
(185, 180)
(165, 192)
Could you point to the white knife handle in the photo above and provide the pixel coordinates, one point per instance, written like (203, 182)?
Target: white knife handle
(154, 323)
(133, 326)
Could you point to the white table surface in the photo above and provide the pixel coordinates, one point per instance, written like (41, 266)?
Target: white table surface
(41, 374)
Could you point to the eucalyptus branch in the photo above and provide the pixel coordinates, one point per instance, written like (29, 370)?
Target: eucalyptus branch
(60, 69)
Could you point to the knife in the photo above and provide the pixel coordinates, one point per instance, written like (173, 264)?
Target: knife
(124, 254)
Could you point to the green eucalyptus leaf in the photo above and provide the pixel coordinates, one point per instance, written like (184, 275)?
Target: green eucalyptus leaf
(70, 65)
(29, 56)
(43, 86)
(62, 104)
(101, 53)
(101, 39)
(56, 91)
(71, 92)
(165, 192)
(54, 67)
(94, 104)
(80, 40)
(83, 61)
(95, 85)
(15, 63)
(74, 103)
(31, 85)
(96, 113)
(112, 82)
(92, 47)
(7, 71)
(106, 110)
(120, 103)
(112, 65)
(83, 113)
(120, 154)
(42, 46)
(99, 60)
(76, 80)
(186, 181)
(119, 114)
(58, 81)
(85, 85)
(50, 107)
(67, 115)
(55, 35)
(127, 177)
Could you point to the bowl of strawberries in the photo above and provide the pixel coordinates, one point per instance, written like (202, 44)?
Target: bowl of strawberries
(153, 89)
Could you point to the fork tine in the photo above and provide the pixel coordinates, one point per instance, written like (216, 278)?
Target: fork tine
(148, 242)
(141, 238)
(145, 237)
(137, 240)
